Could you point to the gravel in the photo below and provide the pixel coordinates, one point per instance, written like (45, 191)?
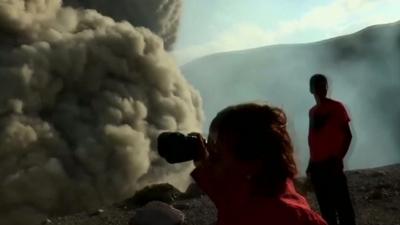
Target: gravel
(375, 193)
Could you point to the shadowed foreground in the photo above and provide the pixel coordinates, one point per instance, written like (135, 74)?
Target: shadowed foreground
(375, 192)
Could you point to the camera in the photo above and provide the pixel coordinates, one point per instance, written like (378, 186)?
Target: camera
(176, 147)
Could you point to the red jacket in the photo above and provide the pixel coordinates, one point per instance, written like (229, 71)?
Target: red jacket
(236, 206)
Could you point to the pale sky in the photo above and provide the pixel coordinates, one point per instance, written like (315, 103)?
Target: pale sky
(211, 26)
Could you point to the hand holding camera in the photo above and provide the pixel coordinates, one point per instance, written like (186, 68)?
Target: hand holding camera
(176, 147)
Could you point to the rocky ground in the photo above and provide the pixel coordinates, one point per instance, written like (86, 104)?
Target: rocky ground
(375, 192)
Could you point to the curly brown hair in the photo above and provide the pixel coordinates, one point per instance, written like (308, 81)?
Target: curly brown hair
(259, 134)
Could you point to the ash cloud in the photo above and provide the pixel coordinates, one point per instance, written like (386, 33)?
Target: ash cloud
(83, 99)
(160, 16)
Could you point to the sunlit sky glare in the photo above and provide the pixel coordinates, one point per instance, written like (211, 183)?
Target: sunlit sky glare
(211, 26)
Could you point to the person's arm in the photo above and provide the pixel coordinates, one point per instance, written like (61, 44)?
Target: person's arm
(308, 170)
(344, 121)
(205, 172)
(347, 139)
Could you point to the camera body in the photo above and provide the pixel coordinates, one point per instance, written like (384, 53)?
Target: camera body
(176, 147)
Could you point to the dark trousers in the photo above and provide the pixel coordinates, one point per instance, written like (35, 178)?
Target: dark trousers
(330, 186)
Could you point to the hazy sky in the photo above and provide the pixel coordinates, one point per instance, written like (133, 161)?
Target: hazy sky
(210, 26)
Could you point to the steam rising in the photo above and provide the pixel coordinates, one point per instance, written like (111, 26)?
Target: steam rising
(160, 16)
(82, 100)
(363, 71)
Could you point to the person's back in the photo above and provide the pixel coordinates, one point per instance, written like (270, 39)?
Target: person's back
(250, 169)
(287, 209)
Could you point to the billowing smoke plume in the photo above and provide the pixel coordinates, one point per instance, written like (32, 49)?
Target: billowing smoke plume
(160, 16)
(82, 100)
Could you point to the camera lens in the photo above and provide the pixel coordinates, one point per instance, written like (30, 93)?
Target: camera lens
(176, 147)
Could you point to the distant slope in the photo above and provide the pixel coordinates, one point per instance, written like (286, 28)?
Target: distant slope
(364, 69)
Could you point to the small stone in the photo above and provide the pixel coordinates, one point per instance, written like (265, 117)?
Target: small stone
(159, 192)
(378, 174)
(97, 212)
(382, 173)
(47, 221)
(377, 194)
(363, 188)
(157, 213)
(181, 206)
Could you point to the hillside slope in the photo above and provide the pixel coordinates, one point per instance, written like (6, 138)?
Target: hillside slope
(364, 69)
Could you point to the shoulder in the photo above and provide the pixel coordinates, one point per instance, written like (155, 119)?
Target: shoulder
(303, 214)
(298, 209)
(336, 104)
(312, 109)
(297, 206)
(339, 109)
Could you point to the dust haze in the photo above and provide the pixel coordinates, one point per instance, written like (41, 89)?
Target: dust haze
(160, 16)
(363, 70)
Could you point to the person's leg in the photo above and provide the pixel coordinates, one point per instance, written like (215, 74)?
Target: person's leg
(324, 197)
(343, 202)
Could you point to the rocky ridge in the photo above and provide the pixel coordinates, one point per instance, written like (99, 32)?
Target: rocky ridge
(375, 193)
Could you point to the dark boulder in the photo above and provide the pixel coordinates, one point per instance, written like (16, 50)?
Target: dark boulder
(159, 192)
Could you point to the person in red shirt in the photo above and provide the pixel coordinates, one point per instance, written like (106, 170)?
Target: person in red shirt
(329, 140)
(247, 169)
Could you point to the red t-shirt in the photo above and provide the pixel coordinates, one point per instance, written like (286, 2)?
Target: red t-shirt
(326, 133)
(236, 206)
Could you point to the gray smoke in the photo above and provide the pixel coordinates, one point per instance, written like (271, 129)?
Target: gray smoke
(83, 99)
(160, 16)
(363, 69)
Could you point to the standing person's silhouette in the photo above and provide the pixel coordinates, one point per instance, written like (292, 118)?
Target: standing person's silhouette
(329, 140)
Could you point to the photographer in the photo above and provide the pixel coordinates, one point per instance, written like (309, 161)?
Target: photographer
(247, 167)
